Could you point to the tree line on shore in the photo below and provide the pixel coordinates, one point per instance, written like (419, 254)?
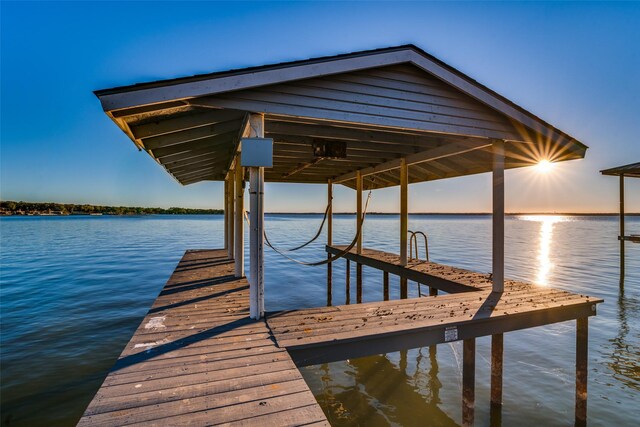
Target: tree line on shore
(51, 208)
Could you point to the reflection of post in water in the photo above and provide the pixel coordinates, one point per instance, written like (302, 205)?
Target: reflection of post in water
(400, 399)
(624, 356)
(434, 383)
(403, 361)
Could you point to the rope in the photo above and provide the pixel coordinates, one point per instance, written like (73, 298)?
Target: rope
(313, 239)
(333, 257)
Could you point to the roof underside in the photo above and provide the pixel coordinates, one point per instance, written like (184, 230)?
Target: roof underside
(632, 170)
(383, 105)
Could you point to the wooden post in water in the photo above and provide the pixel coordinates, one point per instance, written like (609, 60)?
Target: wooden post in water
(238, 243)
(497, 350)
(621, 237)
(498, 216)
(404, 219)
(329, 240)
(385, 279)
(347, 289)
(582, 339)
(359, 243)
(468, 380)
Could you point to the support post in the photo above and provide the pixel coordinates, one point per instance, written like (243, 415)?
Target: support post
(359, 244)
(329, 241)
(385, 279)
(229, 211)
(256, 229)
(468, 380)
(225, 205)
(347, 289)
(497, 350)
(404, 220)
(582, 339)
(622, 272)
(238, 230)
(498, 216)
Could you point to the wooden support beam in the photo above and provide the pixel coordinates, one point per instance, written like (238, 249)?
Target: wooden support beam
(622, 272)
(226, 214)
(582, 340)
(359, 227)
(497, 344)
(239, 221)
(468, 381)
(329, 241)
(498, 216)
(256, 229)
(385, 279)
(447, 150)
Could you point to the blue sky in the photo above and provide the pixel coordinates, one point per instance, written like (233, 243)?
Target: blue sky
(576, 65)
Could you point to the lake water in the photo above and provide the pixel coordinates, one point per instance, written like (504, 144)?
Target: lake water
(74, 289)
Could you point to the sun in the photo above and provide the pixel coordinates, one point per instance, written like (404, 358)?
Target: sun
(544, 166)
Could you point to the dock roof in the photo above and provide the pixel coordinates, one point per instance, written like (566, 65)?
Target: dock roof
(379, 106)
(631, 170)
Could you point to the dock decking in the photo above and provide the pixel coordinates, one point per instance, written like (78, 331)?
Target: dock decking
(197, 358)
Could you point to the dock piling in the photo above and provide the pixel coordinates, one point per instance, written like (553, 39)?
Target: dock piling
(582, 339)
(385, 279)
(468, 381)
(497, 350)
(329, 241)
(347, 290)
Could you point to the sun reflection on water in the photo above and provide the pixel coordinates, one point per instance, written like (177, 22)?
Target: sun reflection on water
(545, 265)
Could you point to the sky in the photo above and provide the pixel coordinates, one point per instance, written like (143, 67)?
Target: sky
(576, 65)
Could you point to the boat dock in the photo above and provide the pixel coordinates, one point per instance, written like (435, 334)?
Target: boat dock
(197, 358)
(208, 352)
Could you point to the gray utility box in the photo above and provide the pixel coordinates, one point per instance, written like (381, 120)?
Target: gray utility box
(257, 152)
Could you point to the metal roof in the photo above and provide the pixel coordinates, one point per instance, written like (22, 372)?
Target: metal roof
(631, 170)
(381, 104)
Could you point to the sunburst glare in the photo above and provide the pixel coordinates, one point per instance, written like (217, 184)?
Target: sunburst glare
(544, 166)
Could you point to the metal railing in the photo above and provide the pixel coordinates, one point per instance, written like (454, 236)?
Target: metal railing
(413, 243)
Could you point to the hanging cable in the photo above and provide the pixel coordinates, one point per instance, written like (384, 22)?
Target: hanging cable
(333, 257)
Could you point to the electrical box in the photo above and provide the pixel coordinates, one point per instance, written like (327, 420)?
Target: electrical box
(257, 152)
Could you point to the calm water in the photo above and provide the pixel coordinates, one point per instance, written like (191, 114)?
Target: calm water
(74, 289)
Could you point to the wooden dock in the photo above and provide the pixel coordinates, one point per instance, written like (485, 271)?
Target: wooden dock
(198, 359)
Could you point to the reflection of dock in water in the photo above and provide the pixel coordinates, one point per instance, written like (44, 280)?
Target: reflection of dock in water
(383, 393)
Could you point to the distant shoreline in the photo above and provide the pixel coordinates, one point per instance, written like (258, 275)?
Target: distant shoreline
(11, 208)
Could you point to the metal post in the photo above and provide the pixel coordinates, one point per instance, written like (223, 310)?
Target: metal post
(238, 244)
(582, 339)
(329, 241)
(359, 245)
(622, 272)
(404, 218)
(468, 380)
(256, 229)
(498, 216)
